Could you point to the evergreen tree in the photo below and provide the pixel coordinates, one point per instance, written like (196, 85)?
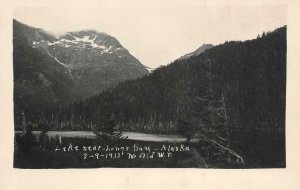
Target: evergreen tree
(211, 117)
(26, 142)
(107, 129)
(44, 137)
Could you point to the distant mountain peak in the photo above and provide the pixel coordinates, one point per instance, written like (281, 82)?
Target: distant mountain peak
(89, 41)
(198, 51)
(79, 40)
(204, 47)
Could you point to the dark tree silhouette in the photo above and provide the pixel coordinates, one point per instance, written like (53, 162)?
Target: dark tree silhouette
(106, 129)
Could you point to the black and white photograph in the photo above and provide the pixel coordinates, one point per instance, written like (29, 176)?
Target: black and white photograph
(150, 86)
(140, 94)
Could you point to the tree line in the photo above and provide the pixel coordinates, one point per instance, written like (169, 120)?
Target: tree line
(250, 75)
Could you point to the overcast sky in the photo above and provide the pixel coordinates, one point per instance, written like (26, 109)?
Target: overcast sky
(158, 32)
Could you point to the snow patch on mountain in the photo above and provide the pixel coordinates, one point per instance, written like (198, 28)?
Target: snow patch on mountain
(52, 43)
(92, 42)
(69, 70)
(86, 39)
(60, 62)
(150, 70)
(63, 64)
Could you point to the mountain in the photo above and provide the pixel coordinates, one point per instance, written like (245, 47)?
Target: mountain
(198, 51)
(94, 61)
(251, 76)
(230, 97)
(50, 70)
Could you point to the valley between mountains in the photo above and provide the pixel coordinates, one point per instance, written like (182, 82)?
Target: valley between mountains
(230, 97)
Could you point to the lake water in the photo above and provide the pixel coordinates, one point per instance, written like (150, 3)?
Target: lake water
(130, 135)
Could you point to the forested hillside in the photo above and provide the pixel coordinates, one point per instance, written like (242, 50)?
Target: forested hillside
(40, 83)
(230, 99)
(250, 76)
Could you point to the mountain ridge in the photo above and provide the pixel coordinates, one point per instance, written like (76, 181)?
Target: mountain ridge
(84, 53)
(250, 74)
(198, 51)
(71, 67)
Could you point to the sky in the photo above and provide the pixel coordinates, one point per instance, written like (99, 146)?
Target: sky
(156, 32)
